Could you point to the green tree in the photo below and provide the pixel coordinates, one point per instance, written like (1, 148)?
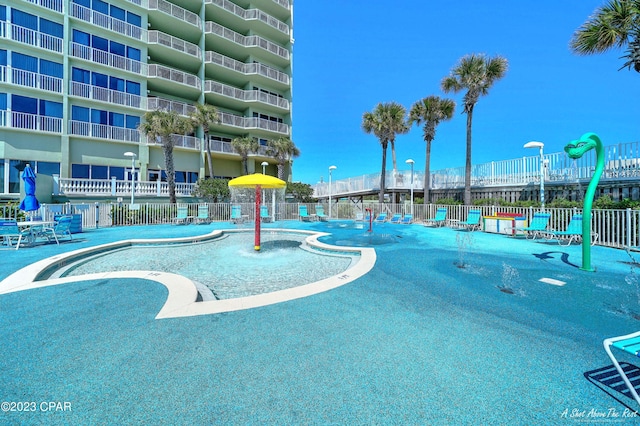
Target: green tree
(205, 115)
(385, 122)
(301, 192)
(282, 149)
(160, 125)
(430, 111)
(213, 190)
(614, 25)
(474, 73)
(244, 146)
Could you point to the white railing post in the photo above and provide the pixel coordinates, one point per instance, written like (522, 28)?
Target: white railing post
(113, 185)
(628, 224)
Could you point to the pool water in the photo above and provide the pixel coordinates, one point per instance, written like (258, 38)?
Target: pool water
(228, 266)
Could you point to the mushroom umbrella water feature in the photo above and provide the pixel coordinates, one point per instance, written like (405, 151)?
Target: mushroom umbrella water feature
(259, 182)
(30, 202)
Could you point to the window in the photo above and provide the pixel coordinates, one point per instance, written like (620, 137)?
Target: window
(80, 113)
(3, 101)
(132, 122)
(100, 6)
(81, 38)
(24, 62)
(3, 17)
(3, 57)
(116, 120)
(50, 108)
(85, 3)
(133, 53)
(80, 75)
(116, 83)
(134, 19)
(2, 189)
(47, 168)
(100, 80)
(24, 104)
(117, 48)
(117, 13)
(51, 28)
(98, 116)
(100, 43)
(53, 69)
(117, 172)
(99, 172)
(23, 19)
(133, 88)
(80, 171)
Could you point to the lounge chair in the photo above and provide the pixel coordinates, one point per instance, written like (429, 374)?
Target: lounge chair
(10, 231)
(60, 229)
(439, 220)
(264, 214)
(320, 213)
(382, 217)
(572, 233)
(203, 214)
(473, 221)
(304, 214)
(236, 214)
(537, 227)
(407, 219)
(396, 218)
(629, 343)
(182, 216)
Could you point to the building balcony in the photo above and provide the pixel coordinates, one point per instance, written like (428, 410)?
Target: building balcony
(173, 81)
(102, 131)
(30, 37)
(175, 20)
(106, 21)
(109, 59)
(233, 16)
(223, 38)
(170, 50)
(184, 109)
(103, 94)
(21, 120)
(55, 5)
(30, 79)
(235, 98)
(267, 127)
(281, 9)
(117, 188)
(179, 141)
(240, 72)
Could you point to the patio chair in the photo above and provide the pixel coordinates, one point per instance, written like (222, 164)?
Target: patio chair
(236, 214)
(439, 220)
(396, 218)
(320, 213)
(572, 233)
(473, 221)
(629, 343)
(382, 217)
(203, 214)
(60, 229)
(182, 215)
(9, 231)
(407, 219)
(537, 227)
(264, 214)
(304, 214)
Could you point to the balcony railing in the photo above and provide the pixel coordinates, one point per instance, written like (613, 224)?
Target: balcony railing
(101, 57)
(30, 79)
(103, 94)
(21, 120)
(175, 11)
(177, 76)
(246, 41)
(253, 123)
(251, 14)
(102, 131)
(245, 95)
(55, 5)
(158, 37)
(180, 141)
(247, 69)
(154, 104)
(108, 22)
(30, 37)
(113, 187)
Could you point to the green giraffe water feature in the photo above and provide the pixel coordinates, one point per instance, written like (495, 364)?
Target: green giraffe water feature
(576, 149)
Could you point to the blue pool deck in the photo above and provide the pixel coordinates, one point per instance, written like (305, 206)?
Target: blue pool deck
(417, 340)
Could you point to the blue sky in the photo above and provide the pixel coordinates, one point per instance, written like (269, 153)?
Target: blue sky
(351, 55)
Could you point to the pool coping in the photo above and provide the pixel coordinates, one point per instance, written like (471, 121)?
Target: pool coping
(183, 294)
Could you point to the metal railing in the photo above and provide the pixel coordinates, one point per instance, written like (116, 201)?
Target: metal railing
(108, 22)
(30, 37)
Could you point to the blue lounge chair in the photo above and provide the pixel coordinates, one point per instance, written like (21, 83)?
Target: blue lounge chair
(396, 218)
(236, 214)
(407, 219)
(473, 221)
(10, 231)
(572, 233)
(203, 214)
(264, 214)
(304, 214)
(537, 227)
(320, 213)
(60, 229)
(439, 220)
(382, 217)
(182, 216)
(629, 343)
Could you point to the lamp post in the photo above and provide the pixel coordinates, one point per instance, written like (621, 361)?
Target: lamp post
(331, 169)
(540, 145)
(264, 164)
(133, 172)
(411, 162)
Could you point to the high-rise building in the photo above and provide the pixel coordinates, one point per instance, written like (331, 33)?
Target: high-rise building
(77, 76)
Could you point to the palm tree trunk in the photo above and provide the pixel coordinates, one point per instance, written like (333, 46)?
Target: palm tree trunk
(171, 172)
(467, 168)
(383, 173)
(427, 173)
(209, 159)
(393, 157)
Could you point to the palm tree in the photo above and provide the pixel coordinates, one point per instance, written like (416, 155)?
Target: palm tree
(205, 115)
(476, 73)
(160, 125)
(244, 146)
(385, 122)
(430, 111)
(616, 24)
(282, 149)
